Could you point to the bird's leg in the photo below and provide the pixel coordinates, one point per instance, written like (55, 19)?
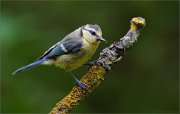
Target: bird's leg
(81, 84)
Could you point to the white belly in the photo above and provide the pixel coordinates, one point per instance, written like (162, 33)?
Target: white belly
(70, 62)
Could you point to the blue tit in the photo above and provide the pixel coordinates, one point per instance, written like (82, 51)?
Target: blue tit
(71, 52)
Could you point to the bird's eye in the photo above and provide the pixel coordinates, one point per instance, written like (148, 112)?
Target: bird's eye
(93, 33)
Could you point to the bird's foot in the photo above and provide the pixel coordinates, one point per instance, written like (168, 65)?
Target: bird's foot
(81, 84)
(106, 66)
(91, 63)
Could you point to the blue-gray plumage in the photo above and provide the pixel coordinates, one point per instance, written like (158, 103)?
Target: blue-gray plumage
(71, 52)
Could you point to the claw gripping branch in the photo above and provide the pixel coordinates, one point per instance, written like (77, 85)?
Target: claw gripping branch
(96, 73)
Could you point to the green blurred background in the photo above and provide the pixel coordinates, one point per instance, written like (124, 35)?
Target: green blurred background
(145, 80)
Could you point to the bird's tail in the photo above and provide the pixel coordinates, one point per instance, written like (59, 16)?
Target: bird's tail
(38, 62)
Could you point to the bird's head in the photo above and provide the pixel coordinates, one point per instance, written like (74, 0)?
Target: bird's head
(92, 33)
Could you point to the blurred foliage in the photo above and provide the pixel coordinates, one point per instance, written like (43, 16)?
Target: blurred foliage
(145, 80)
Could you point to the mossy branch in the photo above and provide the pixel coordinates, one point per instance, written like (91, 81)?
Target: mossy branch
(96, 73)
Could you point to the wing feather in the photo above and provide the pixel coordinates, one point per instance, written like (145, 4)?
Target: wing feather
(71, 46)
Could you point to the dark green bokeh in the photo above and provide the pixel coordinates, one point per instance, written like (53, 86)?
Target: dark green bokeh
(145, 80)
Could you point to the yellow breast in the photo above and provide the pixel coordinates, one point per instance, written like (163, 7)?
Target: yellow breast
(72, 61)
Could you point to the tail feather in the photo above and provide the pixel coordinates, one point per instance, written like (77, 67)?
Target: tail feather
(38, 62)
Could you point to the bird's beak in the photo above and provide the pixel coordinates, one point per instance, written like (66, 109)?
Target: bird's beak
(100, 38)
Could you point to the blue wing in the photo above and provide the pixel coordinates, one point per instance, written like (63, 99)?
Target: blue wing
(61, 48)
(70, 44)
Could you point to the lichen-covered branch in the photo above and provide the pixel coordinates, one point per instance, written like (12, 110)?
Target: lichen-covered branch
(96, 72)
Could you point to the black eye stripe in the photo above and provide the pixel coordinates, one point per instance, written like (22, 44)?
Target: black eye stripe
(92, 32)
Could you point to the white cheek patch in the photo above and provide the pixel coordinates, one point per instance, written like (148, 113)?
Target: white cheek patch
(86, 33)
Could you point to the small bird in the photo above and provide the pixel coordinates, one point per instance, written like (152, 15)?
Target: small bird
(71, 52)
